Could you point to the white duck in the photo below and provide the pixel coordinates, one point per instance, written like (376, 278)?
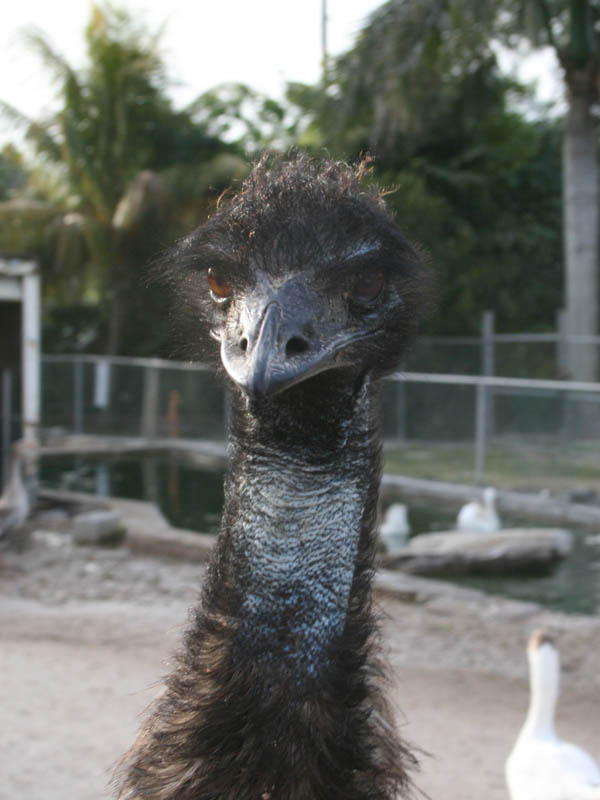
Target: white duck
(541, 766)
(395, 528)
(14, 502)
(480, 517)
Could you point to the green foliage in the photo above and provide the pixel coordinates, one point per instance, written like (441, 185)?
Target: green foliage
(501, 245)
(473, 182)
(112, 159)
(571, 28)
(407, 68)
(13, 175)
(238, 113)
(22, 228)
(73, 327)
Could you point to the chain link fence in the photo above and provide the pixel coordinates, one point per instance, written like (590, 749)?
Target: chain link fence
(543, 356)
(133, 397)
(514, 432)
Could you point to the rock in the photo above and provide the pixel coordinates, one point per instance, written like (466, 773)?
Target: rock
(98, 527)
(51, 538)
(55, 436)
(172, 542)
(460, 553)
(53, 519)
(583, 495)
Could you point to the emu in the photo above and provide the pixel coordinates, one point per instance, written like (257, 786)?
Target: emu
(307, 292)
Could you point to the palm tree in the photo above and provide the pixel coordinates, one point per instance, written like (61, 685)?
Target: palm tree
(571, 30)
(113, 148)
(403, 73)
(406, 69)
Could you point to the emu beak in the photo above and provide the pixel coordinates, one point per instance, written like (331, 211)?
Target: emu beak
(276, 345)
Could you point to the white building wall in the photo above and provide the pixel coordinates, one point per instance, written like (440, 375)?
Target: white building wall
(20, 281)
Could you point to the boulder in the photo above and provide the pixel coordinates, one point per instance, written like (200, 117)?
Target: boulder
(51, 538)
(462, 553)
(53, 519)
(102, 526)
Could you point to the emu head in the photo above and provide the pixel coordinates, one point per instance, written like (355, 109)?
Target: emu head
(301, 273)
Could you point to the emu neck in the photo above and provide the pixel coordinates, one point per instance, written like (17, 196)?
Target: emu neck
(298, 520)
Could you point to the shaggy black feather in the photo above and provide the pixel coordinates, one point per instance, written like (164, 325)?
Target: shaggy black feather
(289, 215)
(272, 699)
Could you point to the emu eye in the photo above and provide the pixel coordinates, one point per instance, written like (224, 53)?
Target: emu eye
(368, 287)
(219, 287)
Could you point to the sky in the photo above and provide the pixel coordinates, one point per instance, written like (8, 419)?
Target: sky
(263, 43)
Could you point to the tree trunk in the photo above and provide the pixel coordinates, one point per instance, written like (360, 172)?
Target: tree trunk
(580, 204)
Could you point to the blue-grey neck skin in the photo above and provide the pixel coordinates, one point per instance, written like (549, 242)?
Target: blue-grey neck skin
(278, 689)
(294, 530)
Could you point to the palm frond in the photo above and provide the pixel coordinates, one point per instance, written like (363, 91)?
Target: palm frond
(406, 60)
(37, 41)
(38, 133)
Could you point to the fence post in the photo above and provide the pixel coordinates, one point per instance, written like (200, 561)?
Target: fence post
(150, 478)
(562, 369)
(78, 395)
(481, 431)
(150, 403)
(562, 344)
(488, 359)
(486, 424)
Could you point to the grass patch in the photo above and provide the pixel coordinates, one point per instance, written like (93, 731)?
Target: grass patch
(515, 465)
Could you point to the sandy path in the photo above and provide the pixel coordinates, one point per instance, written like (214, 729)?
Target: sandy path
(78, 669)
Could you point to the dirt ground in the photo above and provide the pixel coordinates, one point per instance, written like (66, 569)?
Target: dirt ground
(86, 633)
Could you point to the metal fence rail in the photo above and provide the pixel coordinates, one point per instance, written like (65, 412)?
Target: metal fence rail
(527, 355)
(439, 416)
(489, 389)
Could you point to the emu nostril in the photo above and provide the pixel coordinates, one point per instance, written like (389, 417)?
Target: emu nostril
(295, 347)
(243, 344)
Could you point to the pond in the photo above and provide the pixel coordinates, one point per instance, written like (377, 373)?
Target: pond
(191, 497)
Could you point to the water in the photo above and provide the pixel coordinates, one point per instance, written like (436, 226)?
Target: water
(574, 586)
(191, 497)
